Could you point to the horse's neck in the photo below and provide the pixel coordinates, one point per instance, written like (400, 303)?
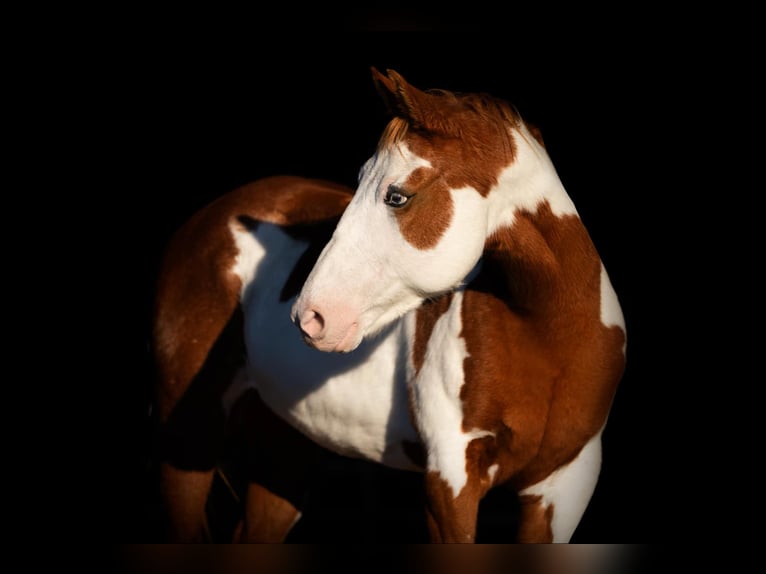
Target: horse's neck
(528, 181)
(537, 240)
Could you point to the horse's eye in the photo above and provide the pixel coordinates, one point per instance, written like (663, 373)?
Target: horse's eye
(395, 197)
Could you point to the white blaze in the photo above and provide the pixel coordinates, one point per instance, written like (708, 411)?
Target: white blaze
(369, 274)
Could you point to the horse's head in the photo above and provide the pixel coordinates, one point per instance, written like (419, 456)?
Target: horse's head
(418, 222)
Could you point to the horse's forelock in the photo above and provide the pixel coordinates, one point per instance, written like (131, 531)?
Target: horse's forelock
(393, 133)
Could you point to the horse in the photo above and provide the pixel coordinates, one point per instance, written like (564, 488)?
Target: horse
(450, 316)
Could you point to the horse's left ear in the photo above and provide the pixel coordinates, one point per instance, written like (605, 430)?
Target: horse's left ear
(408, 102)
(387, 91)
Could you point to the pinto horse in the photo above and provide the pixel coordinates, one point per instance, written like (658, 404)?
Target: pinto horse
(451, 316)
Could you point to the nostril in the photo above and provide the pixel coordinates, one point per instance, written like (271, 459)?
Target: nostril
(312, 323)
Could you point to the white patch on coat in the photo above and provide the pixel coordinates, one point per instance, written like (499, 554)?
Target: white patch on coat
(529, 180)
(353, 404)
(437, 404)
(250, 252)
(491, 472)
(611, 311)
(569, 489)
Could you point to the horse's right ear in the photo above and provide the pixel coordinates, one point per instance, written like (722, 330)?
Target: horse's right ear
(402, 99)
(423, 111)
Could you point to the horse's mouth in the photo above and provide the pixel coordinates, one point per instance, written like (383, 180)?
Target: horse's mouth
(350, 341)
(329, 342)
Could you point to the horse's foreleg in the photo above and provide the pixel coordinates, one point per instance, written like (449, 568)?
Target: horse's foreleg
(193, 374)
(455, 489)
(184, 494)
(278, 461)
(552, 508)
(269, 517)
(451, 517)
(188, 452)
(189, 444)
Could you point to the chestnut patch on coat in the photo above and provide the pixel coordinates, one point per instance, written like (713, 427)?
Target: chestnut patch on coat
(478, 146)
(541, 369)
(452, 517)
(429, 212)
(196, 295)
(535, 520)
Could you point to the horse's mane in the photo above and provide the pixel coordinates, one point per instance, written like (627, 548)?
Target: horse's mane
(494, 110)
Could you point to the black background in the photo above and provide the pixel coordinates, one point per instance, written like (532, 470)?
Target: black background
(182, 109)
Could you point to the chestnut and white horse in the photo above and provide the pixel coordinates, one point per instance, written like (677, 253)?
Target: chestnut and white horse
(450, 316)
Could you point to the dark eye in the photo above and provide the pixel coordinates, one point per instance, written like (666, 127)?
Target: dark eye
(395, 197)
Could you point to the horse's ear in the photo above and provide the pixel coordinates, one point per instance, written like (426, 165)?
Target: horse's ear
(387, 91)
(406, 101)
